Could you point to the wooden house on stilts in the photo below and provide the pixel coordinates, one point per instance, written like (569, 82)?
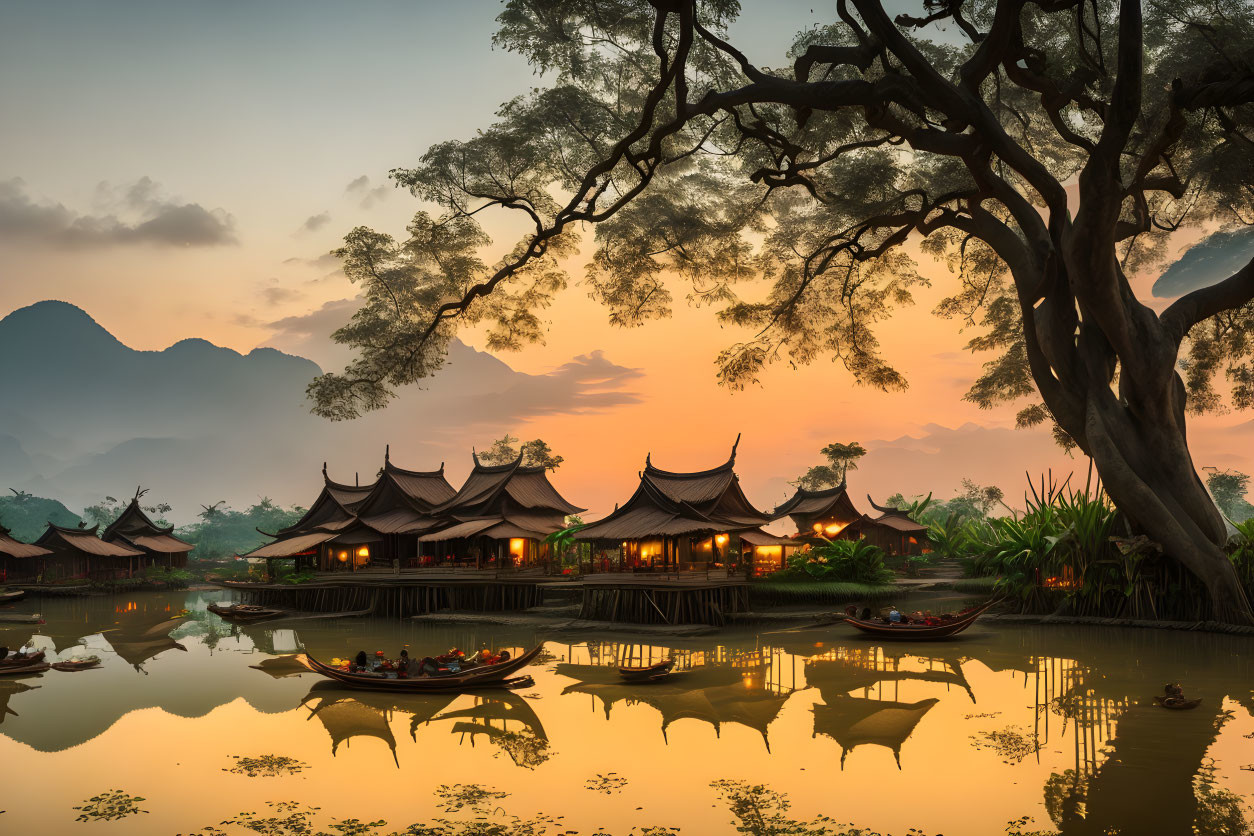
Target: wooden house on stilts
(350, 527)
(79, 553)
(682, 522)
(829, 514)
(158, 546)
(19, 562)
(498, 519)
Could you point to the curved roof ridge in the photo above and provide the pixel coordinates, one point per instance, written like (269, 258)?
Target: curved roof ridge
(74, 530)
(391, 468)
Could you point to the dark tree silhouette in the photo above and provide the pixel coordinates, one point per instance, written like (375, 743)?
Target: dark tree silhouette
(1043, 148)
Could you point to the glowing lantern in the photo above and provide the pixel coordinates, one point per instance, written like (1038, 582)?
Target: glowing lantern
(834, 528)
(721, 539)
(364, 551)
(818, 528)
(342, 557)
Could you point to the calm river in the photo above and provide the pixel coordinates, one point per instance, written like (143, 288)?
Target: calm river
(209, 728)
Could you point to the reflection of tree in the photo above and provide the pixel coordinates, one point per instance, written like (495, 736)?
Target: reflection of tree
(8, 688)
(1126, 754)
(507, 720)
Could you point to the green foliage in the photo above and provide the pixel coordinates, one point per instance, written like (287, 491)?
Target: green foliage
(1072, 549)
(535, 453)
(110, 508)
(27, 516)
(856, 561)
(1229, 488)
(841, 458)
(223, 532)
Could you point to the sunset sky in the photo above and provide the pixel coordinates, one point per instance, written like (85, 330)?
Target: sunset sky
(183, 169)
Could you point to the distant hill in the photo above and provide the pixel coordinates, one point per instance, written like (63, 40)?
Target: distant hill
(27, 516)
(84, 416)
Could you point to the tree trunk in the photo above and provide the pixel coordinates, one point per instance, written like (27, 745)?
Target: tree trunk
(1144, 462)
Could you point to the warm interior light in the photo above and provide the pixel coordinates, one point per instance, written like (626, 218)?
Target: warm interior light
(769, 551)
(834, 528)
(721, 539)
(364, 551)
(343, 557)
(516, 546)
(818, 528)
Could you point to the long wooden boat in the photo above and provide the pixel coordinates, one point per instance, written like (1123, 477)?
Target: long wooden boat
(12, 595)
(16, 661)
(24, 670)
(76, 665)
(485, 676)
(647, 673)
(920, 632)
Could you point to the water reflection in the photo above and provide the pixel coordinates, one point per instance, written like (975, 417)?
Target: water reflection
(1053, 722)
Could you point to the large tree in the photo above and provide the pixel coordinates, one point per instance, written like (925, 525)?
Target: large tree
(1044, 149)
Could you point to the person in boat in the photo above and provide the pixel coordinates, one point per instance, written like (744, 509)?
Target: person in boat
(361, 663)
(865, 615)
(4, 653)
(402, 664)
(894, 616)
(1173, 695)
(851, 611)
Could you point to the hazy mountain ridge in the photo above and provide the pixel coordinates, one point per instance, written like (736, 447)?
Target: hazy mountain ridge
(84, 415)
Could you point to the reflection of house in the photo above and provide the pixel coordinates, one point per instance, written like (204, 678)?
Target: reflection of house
(158, 546)
(855, 721)
(345, 717)
(499, 517)
(19, 561)
(679, 699)
(680, 522)
(508, 721)
(79, 553)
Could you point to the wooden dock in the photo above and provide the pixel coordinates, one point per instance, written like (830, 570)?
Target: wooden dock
(675, 598)
(643, 599)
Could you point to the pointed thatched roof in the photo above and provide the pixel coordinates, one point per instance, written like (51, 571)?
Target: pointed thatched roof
(82, 540)
(135, 528)
(669, 503)
(895, 518)
(502, 501)
(11, 547)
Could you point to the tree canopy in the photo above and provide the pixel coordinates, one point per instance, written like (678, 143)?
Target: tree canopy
(27, 515)
(1043, 150)
(841, 458)
(535, 453)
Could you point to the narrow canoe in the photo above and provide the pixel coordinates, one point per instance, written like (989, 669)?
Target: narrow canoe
(236, 612)
(648, 673)
(10, 597)
(21, 662)
(23, 670)
(920, 632)
(82, 665)
(486, 676)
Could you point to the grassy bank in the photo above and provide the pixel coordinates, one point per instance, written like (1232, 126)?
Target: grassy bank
(772, 593)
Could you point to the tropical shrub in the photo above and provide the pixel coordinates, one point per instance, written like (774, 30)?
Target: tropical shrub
(856, 561)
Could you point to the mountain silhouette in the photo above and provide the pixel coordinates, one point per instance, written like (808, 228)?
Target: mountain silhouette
(84, 416)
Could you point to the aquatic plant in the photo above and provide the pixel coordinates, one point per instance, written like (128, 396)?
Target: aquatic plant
(266, 766)
(777, 592)
(453, 797)
(110, 806)
(1013, 744)
(608, 784)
